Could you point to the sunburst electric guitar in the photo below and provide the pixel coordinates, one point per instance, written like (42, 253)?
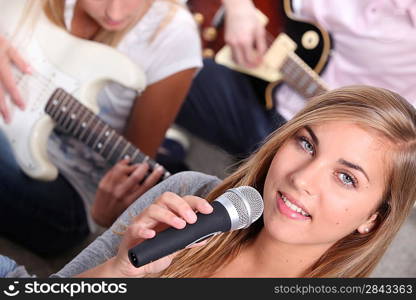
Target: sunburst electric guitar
(68, 74)
(298, 50)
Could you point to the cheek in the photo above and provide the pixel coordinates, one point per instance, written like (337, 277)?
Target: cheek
(342, 220)
(95, 9)
(134, 6)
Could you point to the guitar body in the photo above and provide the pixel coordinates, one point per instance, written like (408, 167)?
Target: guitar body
(308, 41)
(212, 31)
(59, 59)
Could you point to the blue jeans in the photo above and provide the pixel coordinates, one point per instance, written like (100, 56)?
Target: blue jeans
(45, 217)
(223, 108)
(6, 265)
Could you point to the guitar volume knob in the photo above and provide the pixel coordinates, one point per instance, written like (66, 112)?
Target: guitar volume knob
(208, 53)
(199, 18)
(310, 39)
(209, 34)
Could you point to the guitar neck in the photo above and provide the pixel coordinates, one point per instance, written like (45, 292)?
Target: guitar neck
(80, 122)
(301, 77)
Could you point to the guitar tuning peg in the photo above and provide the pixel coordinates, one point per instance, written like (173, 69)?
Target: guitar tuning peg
(199, 18)
(209, 34)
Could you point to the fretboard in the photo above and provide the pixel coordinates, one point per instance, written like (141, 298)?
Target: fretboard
(301, 77)
(80, 122)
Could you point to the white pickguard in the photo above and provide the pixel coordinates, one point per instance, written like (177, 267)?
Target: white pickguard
(59, 59)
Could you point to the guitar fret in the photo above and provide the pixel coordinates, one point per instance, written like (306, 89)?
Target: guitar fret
(143, 158)
(152, 164)
(92, 132)
(55, 103)
(77, 120)
(85, 123)
(61, 108)
(123, 153)
(140, 157)
(118, 141)
(79, 125)
(101, 138)
(137, 156)
(311, 89)
(134, 156)
(288, 67)
(108, 147)
(301, 77)
(129, 152)
(50, 104)
(64, 115)
(304, 80)
(292, 76)
(66, 124)
(74, 121)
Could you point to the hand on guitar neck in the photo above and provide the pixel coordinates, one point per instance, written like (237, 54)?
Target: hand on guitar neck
(9, 56)
(120, 187)
(244, 32)
(266, 41)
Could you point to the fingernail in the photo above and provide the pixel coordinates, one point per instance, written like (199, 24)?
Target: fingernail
(208, 206)
(147, 233)
(160, 169)
(29, 69)
(190, 216)
(179, 222)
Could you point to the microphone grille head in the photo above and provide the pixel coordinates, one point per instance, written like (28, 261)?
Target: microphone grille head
(248, 205)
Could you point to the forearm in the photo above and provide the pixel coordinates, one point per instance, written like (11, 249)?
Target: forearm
(156, 109)
(104, 270)
(230, 5)
(108, 269)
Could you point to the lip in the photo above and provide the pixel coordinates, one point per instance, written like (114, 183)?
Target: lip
(284, 210)
(112, 23)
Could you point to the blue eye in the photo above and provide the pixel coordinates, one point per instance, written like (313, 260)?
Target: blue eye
(347, 179)
(306, 145)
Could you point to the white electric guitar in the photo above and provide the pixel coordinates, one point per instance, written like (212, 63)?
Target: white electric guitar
(68, 74)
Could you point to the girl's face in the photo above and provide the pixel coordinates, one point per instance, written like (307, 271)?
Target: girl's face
(114, 15)
(325, 183)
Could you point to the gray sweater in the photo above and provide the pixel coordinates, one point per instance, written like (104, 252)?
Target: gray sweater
(106, 245)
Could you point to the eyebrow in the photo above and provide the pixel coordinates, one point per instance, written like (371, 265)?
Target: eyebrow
(312, 134)
(341, 161)
(353, 166)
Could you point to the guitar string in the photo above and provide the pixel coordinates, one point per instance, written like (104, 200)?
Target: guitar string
(38, 80)
(41, 81)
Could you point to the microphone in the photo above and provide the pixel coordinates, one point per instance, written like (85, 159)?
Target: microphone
(235, 209)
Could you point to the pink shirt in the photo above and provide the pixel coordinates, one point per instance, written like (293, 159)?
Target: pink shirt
(374, 43)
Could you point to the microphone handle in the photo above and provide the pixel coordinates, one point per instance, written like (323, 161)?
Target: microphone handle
(172, 239)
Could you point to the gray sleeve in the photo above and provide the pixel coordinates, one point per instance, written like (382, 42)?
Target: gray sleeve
(106, 245)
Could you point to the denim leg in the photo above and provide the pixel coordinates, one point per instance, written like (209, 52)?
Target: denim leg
(45, 217)
(6, 265)
(223, 108)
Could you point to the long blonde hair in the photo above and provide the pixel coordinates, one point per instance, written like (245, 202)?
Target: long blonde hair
(54, 10)
(355, 255)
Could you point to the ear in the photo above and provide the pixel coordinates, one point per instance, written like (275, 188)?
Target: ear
(368, 225)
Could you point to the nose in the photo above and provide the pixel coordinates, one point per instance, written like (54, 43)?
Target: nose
(115, 10)
(307, 178)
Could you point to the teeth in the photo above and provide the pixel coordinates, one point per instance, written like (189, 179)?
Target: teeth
(294, 207)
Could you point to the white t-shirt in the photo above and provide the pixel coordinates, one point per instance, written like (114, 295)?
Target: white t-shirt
(374, 43)
(175, 48)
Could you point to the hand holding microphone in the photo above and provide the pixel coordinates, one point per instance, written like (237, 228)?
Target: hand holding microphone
(235, 209)
(168, 210)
